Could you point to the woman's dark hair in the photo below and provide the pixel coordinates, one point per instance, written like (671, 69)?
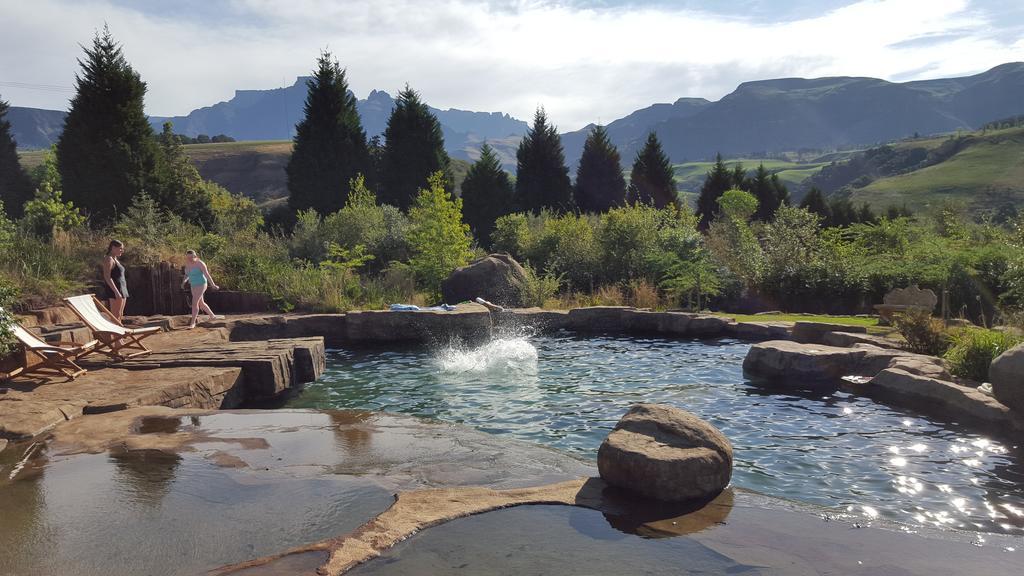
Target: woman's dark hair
(114, 244)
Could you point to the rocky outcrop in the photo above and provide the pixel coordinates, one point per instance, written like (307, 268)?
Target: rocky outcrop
(760, 331)
(785, 360)
(469, 322)
(268, 367)
(665, 453)
(623, 319)
(29, 408)
(846, 339)
(814, 332)
(943, 399)
(194, 369)
(1007, 376)
(496, 277)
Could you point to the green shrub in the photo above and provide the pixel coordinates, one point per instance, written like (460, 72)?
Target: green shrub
(381, 229)
(923, 333)
(438, 238)
(8, 295)
(511, 235)
(974, 349)
(539, 288)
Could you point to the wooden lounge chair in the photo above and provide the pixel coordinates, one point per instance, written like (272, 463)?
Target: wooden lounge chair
(57, 360)
(115, 340)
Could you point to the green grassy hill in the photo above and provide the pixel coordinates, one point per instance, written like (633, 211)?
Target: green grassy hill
(690, 175)
(985, 173)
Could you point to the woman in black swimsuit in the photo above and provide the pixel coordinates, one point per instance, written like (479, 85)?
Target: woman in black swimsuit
(115, 290)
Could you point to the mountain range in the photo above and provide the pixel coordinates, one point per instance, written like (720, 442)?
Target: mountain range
(758, 118)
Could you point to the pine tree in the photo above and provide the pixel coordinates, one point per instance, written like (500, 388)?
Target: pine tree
(330, 144)
(15, 184)
(739, 177)
(600, 185)
(487, 195)
(652, 180)
(814, 202)
(769, 191)
(542, 178)
(718, 180)
(107, 153)
(182, 191)
(413, 150)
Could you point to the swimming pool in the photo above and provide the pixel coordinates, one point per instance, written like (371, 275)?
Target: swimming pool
(799, 442)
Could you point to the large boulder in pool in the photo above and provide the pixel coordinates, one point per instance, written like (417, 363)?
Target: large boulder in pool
(667, 454)
(1007, 376)
(496, 277)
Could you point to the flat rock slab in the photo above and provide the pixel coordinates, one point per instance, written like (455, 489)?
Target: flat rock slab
(268, 367)
(849, 339)
(944, 399)
(814, 332)
(786, 360)
(30, 407)
(469, 322)
(760, 331)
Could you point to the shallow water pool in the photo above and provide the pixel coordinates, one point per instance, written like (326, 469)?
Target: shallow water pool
(820, 446)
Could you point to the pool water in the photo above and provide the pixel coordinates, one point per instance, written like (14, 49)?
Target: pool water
(799, 442)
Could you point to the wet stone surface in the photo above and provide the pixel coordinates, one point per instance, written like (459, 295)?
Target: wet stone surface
(159, 491)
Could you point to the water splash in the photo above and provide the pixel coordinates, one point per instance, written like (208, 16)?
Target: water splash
(498, 355)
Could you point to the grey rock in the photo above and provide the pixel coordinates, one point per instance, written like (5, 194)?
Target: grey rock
(665, 453)
(1007, 376)
(496, 277)
(468, 323)
(814, 332)
(945, 399)
(786, 360)
(845, 339)
(598, 318)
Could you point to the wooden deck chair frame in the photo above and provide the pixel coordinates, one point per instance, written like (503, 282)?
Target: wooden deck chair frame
(115, 340)
(57, 360)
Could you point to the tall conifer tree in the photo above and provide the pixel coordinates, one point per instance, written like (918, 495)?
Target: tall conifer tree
(769, 191)
(542, 178)
(183, 191)
(107, 153)
(718, 180)
(15, 184)
(413, 150)
(653, 181)
(487, 195)
(815, 203)
(330, 144)
(600, 185)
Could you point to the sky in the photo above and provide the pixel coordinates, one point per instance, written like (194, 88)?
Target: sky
(582, 60)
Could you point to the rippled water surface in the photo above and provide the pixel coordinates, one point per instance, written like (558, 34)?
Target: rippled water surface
(819, 446)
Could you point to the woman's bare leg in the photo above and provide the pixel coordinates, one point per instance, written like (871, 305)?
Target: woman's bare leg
(197, 299)
(117, 308)
(206, 308)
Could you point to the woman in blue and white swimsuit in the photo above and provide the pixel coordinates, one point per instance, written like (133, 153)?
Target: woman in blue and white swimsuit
(198, 276)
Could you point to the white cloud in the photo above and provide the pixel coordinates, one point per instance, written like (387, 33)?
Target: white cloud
(582, 64)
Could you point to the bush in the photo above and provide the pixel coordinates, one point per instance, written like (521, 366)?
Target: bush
(538, 288)
(438, 238)
(974, 349)
(923, 333)
(8, 294)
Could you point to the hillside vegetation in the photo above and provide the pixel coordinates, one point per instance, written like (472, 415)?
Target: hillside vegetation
(254, 169)
(982, 170)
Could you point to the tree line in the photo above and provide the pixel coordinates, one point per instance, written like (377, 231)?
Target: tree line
(331, 148)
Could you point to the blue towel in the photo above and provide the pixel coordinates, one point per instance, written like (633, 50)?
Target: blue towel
(413, 308)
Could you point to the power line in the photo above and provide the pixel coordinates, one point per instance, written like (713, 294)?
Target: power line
(39, 87)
